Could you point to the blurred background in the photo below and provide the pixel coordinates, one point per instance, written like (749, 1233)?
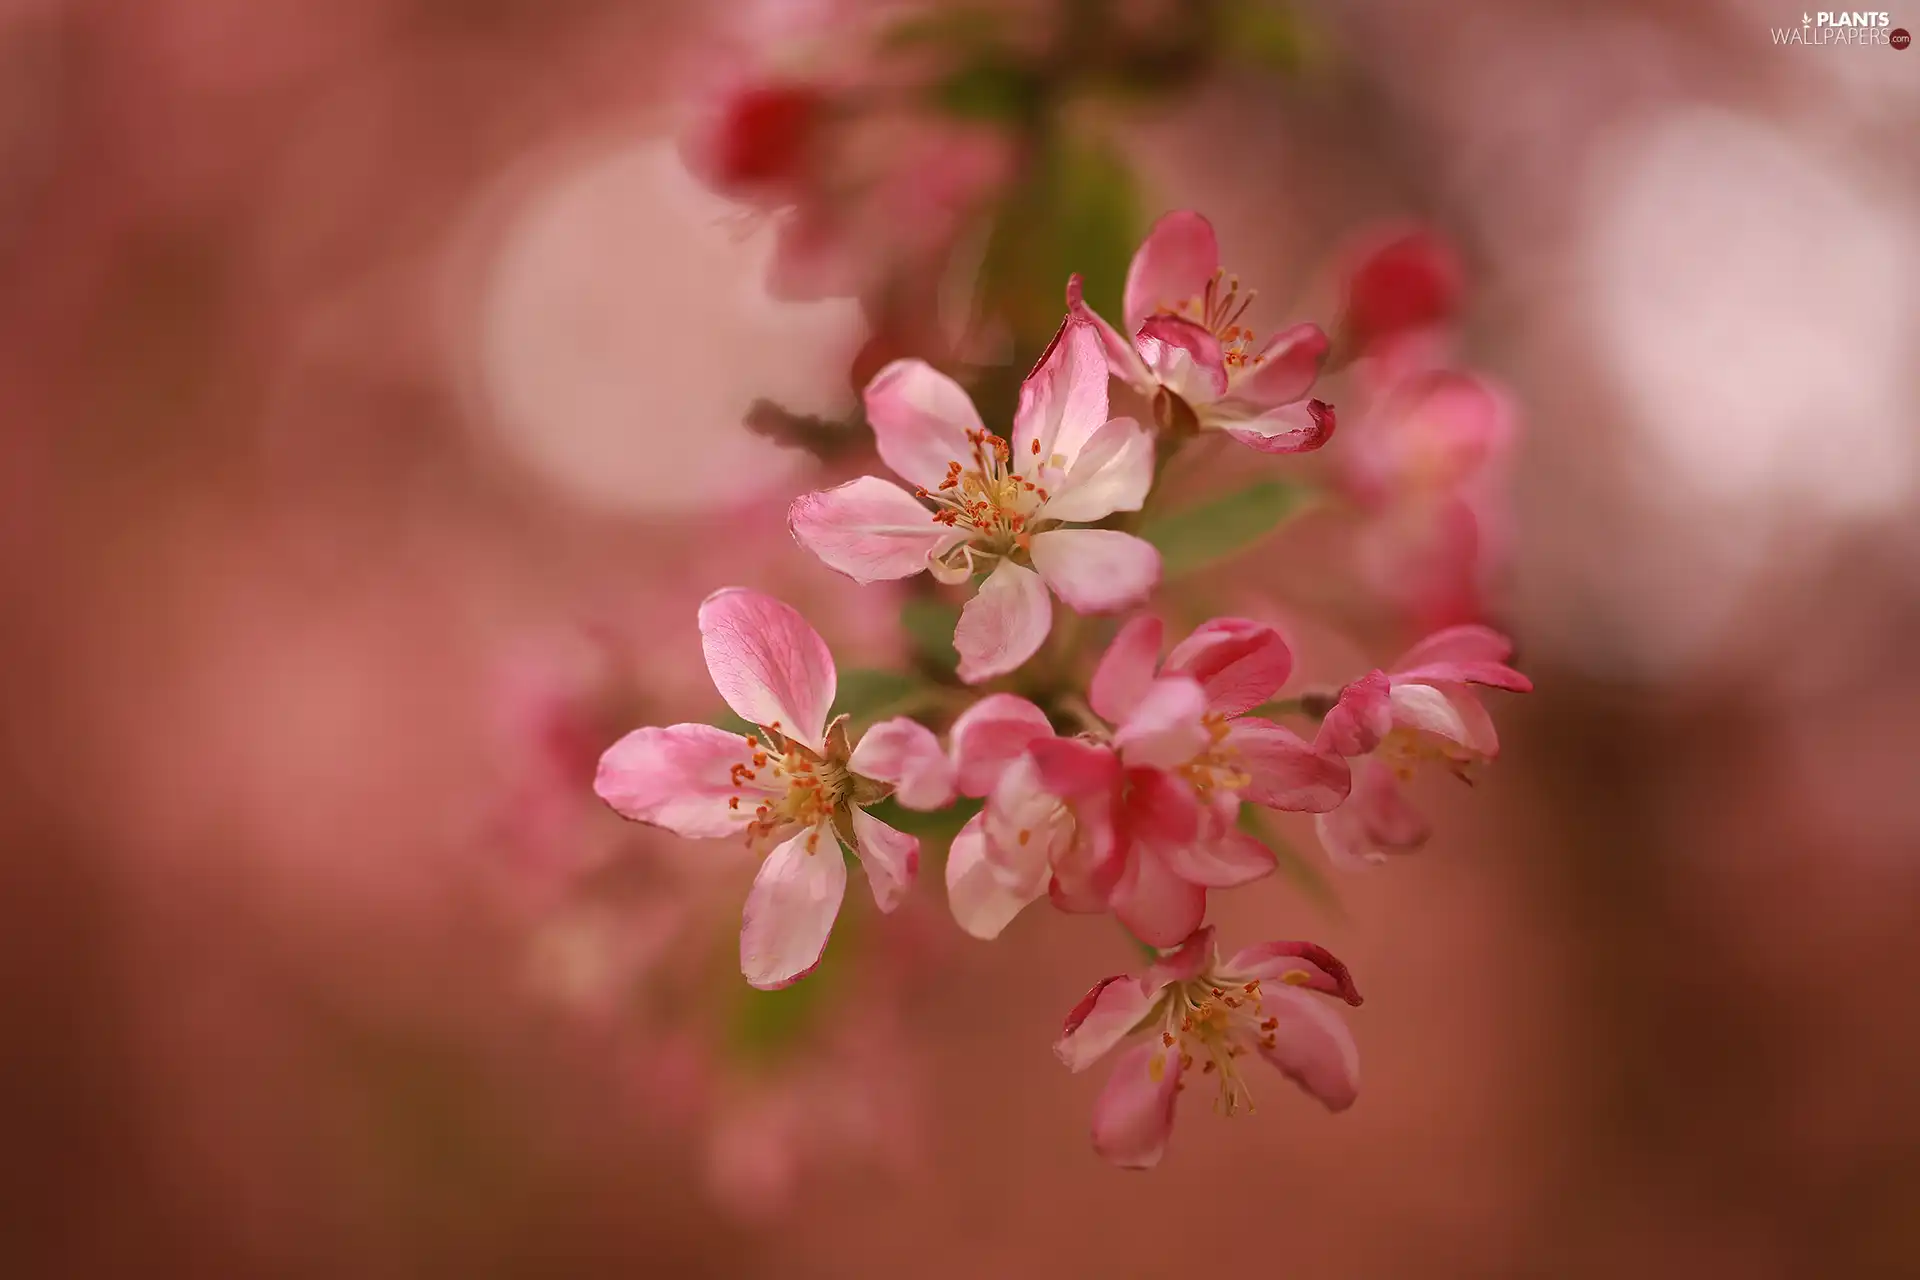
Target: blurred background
(384, 382)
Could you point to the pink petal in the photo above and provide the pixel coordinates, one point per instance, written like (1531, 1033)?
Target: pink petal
(1226, 861)
(679, 777)
(1401, 280)
(1174, 264)
(1285, 368)
(981, 903)
(1286, 773)
(1493, 675)
(1133, 1116)
(1063, 402)
(1439, 429)
(921, 419)
(1126, 669)
(1297, 964)
(1123, 362)
(1184, 963)
(1469, 643)
(869, 529)
(1166, 729)
(1158, 906)
(1293, 428)
(1312, 1047)
(1027, 827)
(990, 735)
(1104, 1017)
(1362, 716)
(891, 858)
(1184, 358)
(1376, 820)
(1161, 810)
(768, 664)
(1072, 768)
(1425, 709)
(1004, 624)
(791, 908)
(1238, 662)
(1096, 570)
(1112, 472)
(1481, 737)
(905, 753)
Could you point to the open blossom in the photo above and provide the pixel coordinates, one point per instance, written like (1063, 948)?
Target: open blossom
(794, 788)
(1190, 755)
(983, 503)
(1425, 709)
(1143, 821)
(1194, 356)
(1204, 1016)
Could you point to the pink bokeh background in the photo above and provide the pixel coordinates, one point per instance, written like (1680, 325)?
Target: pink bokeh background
(371, 378)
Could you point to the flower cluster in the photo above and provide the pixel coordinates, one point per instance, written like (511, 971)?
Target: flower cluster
(1120, 786)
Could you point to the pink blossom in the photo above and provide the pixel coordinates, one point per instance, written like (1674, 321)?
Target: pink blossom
(1398, 282)
(1190, 756)
(1210, 1014)
(1048, 827)
(787, 789)
(1425, 709)
(1004, 509)
(1427, 444)
(859, 186)
(1191, 354)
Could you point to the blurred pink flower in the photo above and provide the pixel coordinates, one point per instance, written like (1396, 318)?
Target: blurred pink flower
(850, 1097)
(1190, 756)
(1215, 1014)
(1425, 451)
(1426, 709)
(755, 141)
(1191, 355)
(1398, 281)
(802, 781)
(996, 505)
(864, 185)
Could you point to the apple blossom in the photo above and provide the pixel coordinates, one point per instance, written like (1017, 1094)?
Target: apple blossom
(995, 505)
(1425, 709)
(1190, 755)
(1206, 1014)
(792, 788)
(1192, 355)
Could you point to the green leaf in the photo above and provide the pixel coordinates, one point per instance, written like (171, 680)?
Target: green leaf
(944, 29)
(936, 830)
(929, 622)
(1074, 210)
(727, 719)
(766, 1024)
(1265, 36)
(868, 693)
(1214, 531)
(990, 89)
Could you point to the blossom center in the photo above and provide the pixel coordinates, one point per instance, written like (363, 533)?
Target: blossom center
(1218, 309)
(1217, 766)
(988, 496)
(1215, 1022)
(795, 789)
(1404, 748)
